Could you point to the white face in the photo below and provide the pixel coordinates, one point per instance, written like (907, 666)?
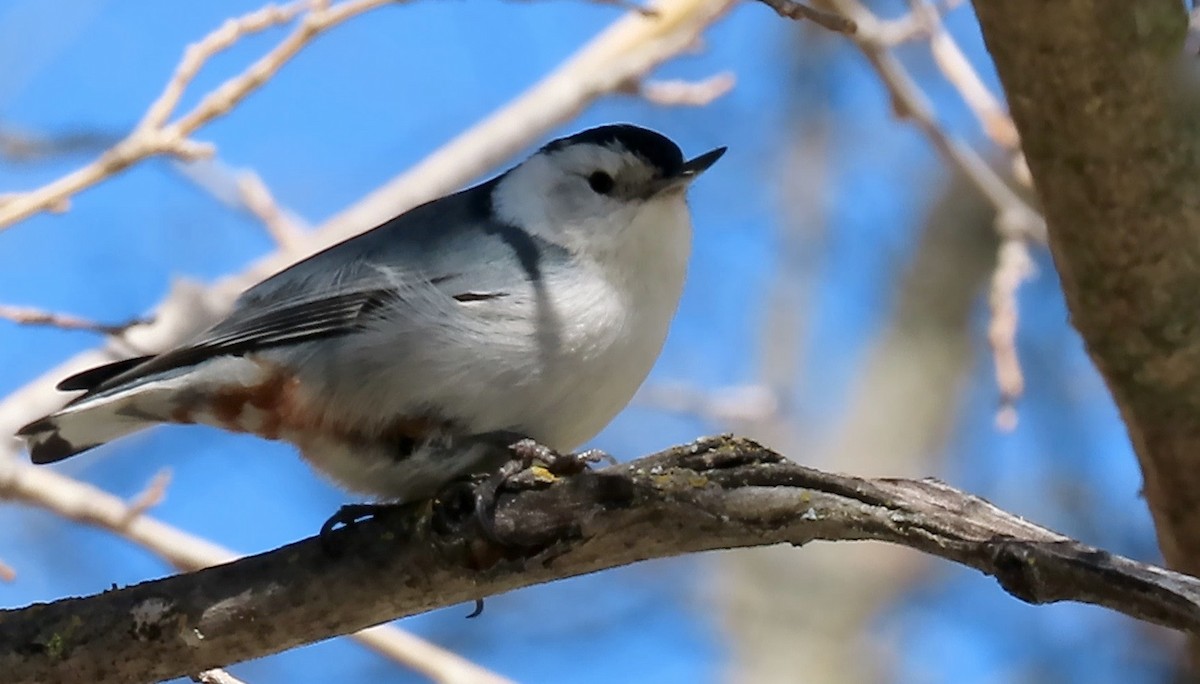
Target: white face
(584, 195)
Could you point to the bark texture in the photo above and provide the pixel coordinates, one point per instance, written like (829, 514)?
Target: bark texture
(1100, 91)
(713, 494)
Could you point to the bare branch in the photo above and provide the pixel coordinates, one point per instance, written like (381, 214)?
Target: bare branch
(155, 136)
(258, 199)
(24, 147)
(196, 55)
(244, 190)
(1016, 220)
(24, 315)
(89, 505)
(957, 69)
(1013, 267)
(737, 405)
(909, 102)
(684, 93)
(151, 496)
(790, 9)
(1114, 178)
(713, 494)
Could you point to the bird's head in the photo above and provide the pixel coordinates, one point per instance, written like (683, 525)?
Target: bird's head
(588, 190)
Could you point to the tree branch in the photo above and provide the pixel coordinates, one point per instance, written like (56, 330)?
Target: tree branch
(86, 504)
(716, 493)
(24, 315)
(1095, 88)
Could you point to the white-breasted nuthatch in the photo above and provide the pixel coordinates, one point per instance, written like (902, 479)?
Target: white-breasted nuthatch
(532, 304)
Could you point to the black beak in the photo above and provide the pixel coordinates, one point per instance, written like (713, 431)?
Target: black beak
(698, 165)
(690, 170)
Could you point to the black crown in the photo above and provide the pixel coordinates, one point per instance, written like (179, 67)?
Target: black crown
(656, 148)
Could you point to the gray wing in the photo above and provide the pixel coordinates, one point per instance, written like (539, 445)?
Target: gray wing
(452, 245)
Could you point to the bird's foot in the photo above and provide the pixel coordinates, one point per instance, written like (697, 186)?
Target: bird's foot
(530, 453)
(351, 514)
(527, 454)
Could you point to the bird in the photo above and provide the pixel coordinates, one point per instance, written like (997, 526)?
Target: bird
(531, 305)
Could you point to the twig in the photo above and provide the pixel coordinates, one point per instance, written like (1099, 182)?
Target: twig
(957, 69)
(1013, 267)
(683, 93)
(23, 315)
(21, 147)
(626, 51)
(154, 135)
(244, 190)
(258, 199)
(89, 505)
(909, 102)
(196, 55)
(151, 496)
(716, 493)
(790, 9)
(1016, 220)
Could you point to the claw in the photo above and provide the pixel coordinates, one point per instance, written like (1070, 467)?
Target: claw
(478, 609)
(486, 496)
(346, 516)
(527, 452)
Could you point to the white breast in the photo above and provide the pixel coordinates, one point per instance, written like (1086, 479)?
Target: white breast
(620, 328)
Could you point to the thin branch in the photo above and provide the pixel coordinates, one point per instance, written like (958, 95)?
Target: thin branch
(714, 494)
(89, 505)
(954, 65)
(244, 190)
(257, 198)
(196, 55)
(151, 496)
(154, 136)
(23, 147)
(1016, 220)
(1013, 267)
(24, 315)
(678, 92)
(909, 102)
(790, 9)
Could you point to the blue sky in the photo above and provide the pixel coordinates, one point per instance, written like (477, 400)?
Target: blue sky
(376, 95)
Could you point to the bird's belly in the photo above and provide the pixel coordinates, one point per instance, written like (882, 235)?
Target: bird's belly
(573, 406)
(559, 388)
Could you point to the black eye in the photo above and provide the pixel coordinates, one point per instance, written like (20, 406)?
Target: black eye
(601, 182)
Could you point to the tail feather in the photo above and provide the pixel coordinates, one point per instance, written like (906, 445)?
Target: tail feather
(178, 395)
(81, 427)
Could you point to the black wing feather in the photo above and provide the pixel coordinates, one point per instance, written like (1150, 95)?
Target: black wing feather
(92, 377)
(304, 319)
